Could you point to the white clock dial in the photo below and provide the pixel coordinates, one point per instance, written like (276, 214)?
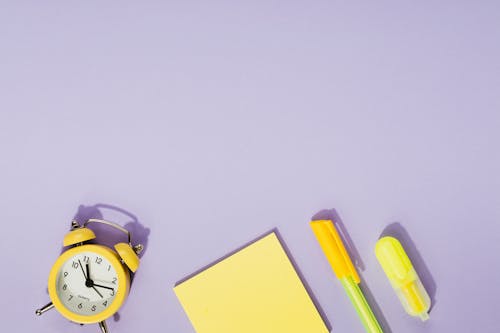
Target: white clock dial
(87, 284)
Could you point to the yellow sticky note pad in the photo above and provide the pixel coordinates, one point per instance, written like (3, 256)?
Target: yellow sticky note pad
(255, 290)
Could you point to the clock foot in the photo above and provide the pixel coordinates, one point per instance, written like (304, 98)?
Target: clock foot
(44, 309)
(103, 326)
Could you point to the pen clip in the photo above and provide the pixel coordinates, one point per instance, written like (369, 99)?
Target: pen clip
(334, 249)
(348, 244)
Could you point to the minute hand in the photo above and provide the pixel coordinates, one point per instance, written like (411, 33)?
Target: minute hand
(98, 285)
(85, 275)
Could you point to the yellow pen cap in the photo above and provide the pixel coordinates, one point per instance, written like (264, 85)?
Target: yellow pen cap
(333, 247)
(403, 277)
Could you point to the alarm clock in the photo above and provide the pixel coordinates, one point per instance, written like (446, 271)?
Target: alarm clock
(88, 283)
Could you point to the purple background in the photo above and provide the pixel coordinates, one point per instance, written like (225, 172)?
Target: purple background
(213, 122)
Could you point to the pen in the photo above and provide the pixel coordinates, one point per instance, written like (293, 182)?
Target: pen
(335, 252)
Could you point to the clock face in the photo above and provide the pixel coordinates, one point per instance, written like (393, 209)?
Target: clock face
(87, 283)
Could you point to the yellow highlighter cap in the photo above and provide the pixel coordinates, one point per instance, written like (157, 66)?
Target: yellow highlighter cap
(403, 277)
(334, 249)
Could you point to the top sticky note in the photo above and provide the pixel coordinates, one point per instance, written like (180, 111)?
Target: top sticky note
(254, 290)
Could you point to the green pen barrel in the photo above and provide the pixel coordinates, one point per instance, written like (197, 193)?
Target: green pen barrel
(362, 308)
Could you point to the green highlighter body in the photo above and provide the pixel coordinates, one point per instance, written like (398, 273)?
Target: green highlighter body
(341, 263)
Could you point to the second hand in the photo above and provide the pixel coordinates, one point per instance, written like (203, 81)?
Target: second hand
(89, 283)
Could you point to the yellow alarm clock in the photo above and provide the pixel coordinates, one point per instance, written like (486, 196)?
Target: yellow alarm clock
(90, 282)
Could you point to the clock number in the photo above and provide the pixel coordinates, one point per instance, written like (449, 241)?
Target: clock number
(105, 303)
(86, 259)
(80, 306)
(114, 281)
(75, 265)
(98, 260)
(65, 274)
(65, 287)
(93, 308)
(109, 267)
(112, 293)
(70, 297)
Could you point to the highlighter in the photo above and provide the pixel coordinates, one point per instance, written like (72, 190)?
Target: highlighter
(403, 277)
(337, 256)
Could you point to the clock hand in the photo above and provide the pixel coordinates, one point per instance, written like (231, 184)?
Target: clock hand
(85, 276)
(88, 281)
(98, 285)
(88, 272)
(97, 291)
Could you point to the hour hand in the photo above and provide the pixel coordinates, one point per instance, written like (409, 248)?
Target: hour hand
(88, 272)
